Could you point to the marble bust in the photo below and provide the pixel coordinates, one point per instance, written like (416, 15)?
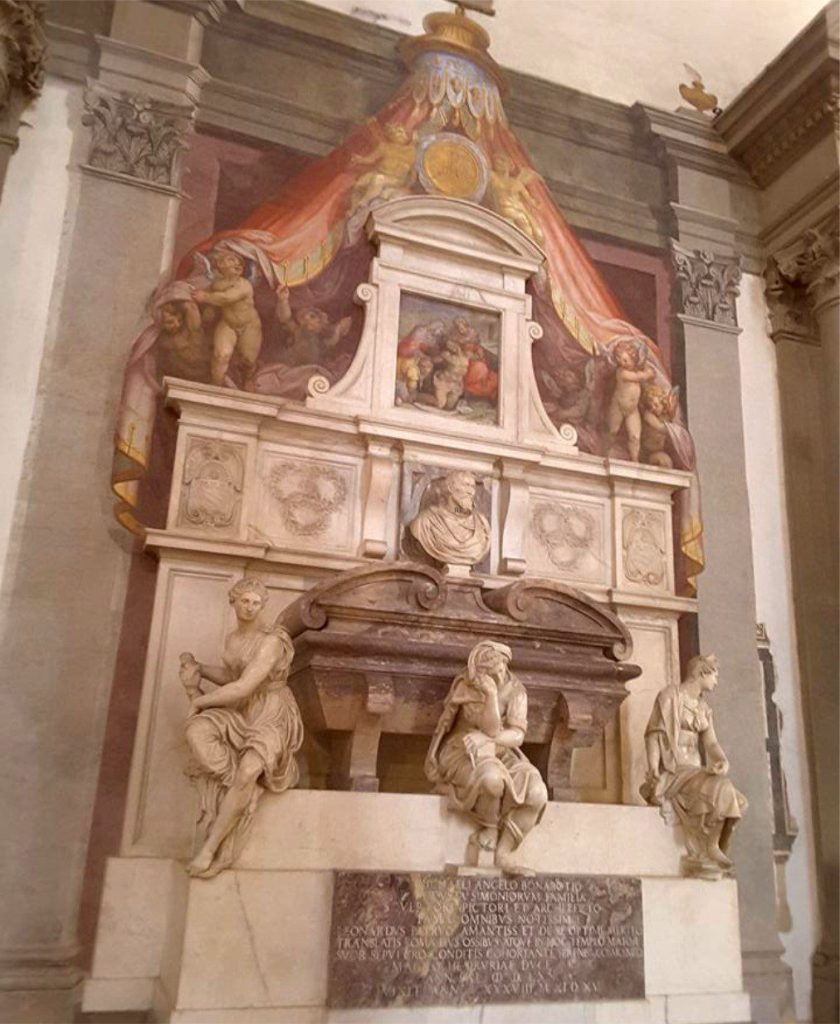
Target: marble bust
(687, 771)
(449, 527)
(475, 756)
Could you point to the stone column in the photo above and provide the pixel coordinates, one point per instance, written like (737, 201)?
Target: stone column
(804, 304)
(706, 189)
(707, 286)
(23, 51)
(68, 563)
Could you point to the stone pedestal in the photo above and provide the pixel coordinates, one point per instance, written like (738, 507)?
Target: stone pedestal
(252, 944)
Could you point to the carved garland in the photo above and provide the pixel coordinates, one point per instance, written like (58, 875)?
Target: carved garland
(307, 496)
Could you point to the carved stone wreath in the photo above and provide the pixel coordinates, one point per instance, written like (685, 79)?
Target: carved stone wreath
(566, 533)
(306, 496)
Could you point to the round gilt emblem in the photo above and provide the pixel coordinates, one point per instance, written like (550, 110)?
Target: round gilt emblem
(452, 166)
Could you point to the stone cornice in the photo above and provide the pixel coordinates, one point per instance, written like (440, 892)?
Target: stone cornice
(790, 106)
(689, 139)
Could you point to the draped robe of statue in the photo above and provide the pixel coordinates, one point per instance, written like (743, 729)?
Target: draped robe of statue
(310, 238)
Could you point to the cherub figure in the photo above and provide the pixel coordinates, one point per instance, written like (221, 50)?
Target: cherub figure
(393, 167)
(239, 328)
(571, 395)
(629, 359)
(510, 196)
(182, 349)
(660, 407)
(310, 334)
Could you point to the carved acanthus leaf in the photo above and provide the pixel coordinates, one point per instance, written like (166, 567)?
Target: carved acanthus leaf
(788, 307)
(708, 284)
(135, 136)
(812, 260)
(23, 48)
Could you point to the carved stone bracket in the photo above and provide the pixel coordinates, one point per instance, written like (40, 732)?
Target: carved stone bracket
(708, 284)
(135, 138)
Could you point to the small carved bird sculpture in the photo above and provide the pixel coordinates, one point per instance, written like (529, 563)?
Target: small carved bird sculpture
(696, 94)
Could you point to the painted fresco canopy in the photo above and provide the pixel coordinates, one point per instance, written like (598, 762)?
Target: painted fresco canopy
(269, 306)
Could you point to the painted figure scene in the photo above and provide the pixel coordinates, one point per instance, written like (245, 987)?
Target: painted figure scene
(448, 359)
(268, 302)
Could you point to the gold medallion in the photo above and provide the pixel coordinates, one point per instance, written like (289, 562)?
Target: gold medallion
(453, 168)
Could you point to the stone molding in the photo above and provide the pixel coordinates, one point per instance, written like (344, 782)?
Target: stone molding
(23, 50)
(790, 106)
(708, 284)
(134, 137)
(800, 280)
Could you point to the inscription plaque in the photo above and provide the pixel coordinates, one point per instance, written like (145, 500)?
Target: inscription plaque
(424, 939)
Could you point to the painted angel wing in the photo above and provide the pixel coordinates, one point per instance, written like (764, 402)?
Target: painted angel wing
(202, 266)
(693, 73)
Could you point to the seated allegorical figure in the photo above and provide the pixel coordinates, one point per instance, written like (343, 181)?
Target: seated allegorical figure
(687, 770)
(449, 527)
(245, 732)
(475, 757)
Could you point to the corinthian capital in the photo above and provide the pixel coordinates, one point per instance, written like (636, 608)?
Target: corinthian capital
(23, 50)
(811, 262)
(135, 137)
(708, 284)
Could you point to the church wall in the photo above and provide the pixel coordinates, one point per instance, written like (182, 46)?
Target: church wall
(613, 164)
(31, 224)
(620, 49)
(774, 607)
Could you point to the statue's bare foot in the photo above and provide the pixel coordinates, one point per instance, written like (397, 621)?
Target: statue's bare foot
(486, 838)
(199, 866)
(719, 857)
(504, 861)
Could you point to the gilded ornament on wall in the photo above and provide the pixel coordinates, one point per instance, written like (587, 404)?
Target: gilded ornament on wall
(453, 166)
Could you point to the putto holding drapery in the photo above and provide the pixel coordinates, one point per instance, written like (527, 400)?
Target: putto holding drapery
(280, 289)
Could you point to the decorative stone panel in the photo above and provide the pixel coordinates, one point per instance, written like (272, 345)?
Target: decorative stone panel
(211, 487)
(566, 538)
(307, 502)
(645, 547)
